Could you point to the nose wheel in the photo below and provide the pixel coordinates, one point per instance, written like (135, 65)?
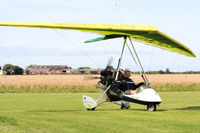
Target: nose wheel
(151, 107)
(90, 109)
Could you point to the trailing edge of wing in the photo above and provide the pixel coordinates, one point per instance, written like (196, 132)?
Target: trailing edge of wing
(144, 33)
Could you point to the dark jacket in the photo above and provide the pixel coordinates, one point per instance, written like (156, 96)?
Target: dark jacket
(128, 84)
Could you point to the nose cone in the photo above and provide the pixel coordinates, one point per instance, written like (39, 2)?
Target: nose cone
(89, 102)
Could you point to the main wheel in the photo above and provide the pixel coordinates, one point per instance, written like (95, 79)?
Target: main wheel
(123, 106)
(151, 107)
(90, 109)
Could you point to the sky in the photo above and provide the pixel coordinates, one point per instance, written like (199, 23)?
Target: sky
(25, 46)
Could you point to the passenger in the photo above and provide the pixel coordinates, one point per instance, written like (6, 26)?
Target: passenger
(126, 83)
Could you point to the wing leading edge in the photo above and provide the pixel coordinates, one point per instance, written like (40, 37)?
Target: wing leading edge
(144, 33)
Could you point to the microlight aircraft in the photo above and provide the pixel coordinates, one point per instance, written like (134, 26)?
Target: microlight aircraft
(147, 34)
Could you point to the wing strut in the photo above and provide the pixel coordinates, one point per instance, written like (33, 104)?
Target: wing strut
(120, 59)
(135, 58)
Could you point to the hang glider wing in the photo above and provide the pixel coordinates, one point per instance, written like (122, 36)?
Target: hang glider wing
(144, 33)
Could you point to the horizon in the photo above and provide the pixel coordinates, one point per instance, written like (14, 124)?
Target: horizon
(80, 67)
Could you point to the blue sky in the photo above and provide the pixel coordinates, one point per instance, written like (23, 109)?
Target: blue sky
(24, 46)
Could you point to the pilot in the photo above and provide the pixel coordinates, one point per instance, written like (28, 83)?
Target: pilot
(126, 83)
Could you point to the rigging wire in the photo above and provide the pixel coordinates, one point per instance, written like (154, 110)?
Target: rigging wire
(107, 53)
(134, 59)
(75, 46)
(173, 62)
(142, 69)
(117, 4)
(150, 63)
(111, 50)
(89, 10)
(81, 12)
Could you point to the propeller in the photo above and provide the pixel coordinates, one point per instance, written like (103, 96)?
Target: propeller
(103, 72)
(108, 66)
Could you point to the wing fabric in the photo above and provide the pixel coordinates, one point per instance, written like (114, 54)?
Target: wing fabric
(144, 33)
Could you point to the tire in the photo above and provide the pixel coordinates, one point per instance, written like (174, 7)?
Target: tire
(151, 107)
(124, 107)
(90, 109)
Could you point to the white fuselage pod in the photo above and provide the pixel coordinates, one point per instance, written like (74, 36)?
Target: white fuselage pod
(145, 96)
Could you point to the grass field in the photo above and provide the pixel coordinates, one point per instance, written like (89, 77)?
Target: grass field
(32, 104)
(64, 112)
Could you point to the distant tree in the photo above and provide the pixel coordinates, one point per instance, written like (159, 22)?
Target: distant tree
(167, 71)
(84, 68)
(18, 70)
(10, 69)
(0, 68)
(161, 72)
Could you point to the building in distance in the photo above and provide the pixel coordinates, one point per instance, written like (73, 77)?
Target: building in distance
(57, 69)
(47, 69)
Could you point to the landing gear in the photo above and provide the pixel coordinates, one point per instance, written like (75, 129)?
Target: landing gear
(151, 107)
(125, 105)
(90, 109)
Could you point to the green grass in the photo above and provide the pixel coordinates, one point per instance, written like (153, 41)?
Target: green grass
(64, 112)
(83, 89)
(48, 89)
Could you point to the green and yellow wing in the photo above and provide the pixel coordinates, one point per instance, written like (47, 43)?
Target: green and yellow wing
(144, 33)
